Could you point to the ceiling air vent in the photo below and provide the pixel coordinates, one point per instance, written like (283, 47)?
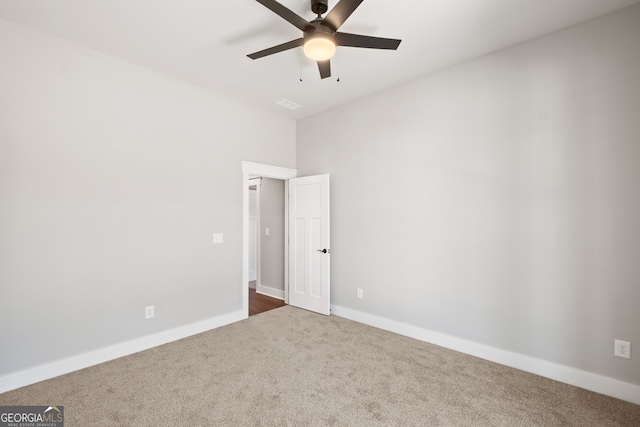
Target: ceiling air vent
(285, 103)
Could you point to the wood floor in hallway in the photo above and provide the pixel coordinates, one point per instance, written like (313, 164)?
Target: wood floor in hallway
(259, 303)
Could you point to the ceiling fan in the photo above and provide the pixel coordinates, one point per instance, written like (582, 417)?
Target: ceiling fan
(321, 36)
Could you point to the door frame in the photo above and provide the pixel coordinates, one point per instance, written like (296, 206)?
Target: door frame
(254, 170)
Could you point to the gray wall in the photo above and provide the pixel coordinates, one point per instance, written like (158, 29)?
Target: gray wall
(272, 246)
(112, 180)
(499, 200)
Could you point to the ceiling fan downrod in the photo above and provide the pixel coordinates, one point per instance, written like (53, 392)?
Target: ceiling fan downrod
(319, 7)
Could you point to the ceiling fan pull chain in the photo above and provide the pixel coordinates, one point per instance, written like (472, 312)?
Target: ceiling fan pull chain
(338, 61)
(300, 65)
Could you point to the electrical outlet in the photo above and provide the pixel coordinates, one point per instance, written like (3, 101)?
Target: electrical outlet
(266, 231)
(360, 293)
(149, 312)
(217, 238)
(622, 349)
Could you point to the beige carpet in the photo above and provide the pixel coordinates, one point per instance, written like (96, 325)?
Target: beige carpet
(289, 367)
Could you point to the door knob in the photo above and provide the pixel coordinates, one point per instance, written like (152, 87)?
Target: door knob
(325, 251)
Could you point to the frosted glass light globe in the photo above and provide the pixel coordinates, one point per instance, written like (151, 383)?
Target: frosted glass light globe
(319, 48)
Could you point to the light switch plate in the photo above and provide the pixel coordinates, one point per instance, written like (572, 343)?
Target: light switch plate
(149, 312)
(217, 238)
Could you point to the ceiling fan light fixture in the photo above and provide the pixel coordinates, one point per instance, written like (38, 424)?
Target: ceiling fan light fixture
(319, 48)
(320, 36)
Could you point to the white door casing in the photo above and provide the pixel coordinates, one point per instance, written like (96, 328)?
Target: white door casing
(309, 249)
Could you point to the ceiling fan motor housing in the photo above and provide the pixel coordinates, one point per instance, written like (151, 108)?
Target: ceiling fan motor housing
(316, 28)
(319, 6)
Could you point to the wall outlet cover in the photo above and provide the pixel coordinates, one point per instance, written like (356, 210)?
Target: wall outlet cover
(622, 349)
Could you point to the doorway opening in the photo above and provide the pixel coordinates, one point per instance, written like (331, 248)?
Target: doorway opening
(307, 237)
(266, 244)
(252, 171)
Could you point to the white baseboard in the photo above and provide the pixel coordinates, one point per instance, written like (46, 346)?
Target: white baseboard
(275, 293)
(576, 377)
(81, 361)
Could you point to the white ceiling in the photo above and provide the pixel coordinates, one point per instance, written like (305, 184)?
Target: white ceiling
(205, 42)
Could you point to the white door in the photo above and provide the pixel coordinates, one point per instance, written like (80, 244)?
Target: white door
(309, 251)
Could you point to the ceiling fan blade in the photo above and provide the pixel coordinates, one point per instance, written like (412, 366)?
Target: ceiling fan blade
(341, 12)
(276, 49)
(325, 68)
(357, 40)
(285, 13)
